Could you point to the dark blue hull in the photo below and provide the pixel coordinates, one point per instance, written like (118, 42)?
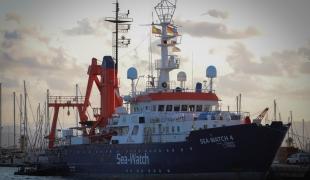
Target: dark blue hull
(233, 149)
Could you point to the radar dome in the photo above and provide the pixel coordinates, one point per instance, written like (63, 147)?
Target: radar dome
(132, 73)
(181, 76)
(211, 72)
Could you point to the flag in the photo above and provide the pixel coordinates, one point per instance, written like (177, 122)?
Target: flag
(173, 42)
(171, 30)
(176, 49)
(155, 30)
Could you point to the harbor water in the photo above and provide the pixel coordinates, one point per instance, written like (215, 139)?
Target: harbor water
(7, 173)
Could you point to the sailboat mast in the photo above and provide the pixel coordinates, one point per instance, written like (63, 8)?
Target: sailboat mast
(14, 116)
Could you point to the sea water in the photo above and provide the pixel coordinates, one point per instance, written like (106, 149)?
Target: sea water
(7, 173)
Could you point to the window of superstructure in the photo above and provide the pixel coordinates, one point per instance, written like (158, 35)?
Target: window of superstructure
(184, 107)
(160, 129)
(176, 107)
(135, 130)
(206, 108)
(199, 108)
(169, 108)
(161, 107)
(172, 129)
(191, 108)
(154, 108)
(178, 128)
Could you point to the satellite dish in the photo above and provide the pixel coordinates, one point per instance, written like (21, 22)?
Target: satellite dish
(181, 76)
(127, 98)
(132, 73)
(211, 72)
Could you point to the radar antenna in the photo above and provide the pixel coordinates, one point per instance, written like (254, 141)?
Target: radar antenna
(121, 21)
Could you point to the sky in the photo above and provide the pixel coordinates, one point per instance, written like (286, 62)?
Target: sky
(261, 49)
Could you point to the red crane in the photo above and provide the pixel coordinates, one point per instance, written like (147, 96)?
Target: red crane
(105, 78)
(261, 116)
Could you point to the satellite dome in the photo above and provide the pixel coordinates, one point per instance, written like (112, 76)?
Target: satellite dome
(132, 73)
(181, 76)
(211, 72)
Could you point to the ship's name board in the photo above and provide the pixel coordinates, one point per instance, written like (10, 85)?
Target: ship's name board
(218, 139)
(132, 159)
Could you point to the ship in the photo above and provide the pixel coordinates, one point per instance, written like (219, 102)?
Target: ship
(166, 130)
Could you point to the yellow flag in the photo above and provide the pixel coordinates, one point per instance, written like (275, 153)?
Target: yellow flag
(176, 49)
(155, 30)
(172, 31)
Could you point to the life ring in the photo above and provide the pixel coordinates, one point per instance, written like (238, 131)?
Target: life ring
(164, 85)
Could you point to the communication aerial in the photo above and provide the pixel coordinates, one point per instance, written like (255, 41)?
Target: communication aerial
(211, 73)
(122, 25)
(181, 76)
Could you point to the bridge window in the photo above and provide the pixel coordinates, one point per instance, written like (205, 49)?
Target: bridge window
(176, 108)
(184, 107)
(172, 129)
(161, 107)
(169, 108)
(206, 108)
(199, 108)
(191, 108)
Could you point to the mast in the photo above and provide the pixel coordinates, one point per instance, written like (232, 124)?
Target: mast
(274, 110)
(303, 134)
(25, 112)
(165, 11)
(76, 112)
(47, 112)
(240, 102)
(121, 21)
(14, 97)
(20, 115)
(0, 115)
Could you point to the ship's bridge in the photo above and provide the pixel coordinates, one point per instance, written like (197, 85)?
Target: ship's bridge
(171, 101)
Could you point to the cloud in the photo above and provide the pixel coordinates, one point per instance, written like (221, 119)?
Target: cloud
(216, 14)
(285, 63)
(83, 28)
(12, 16)
(90, 27)
(267, 76)
(215, 30)
(26, 54)
(12, 35)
